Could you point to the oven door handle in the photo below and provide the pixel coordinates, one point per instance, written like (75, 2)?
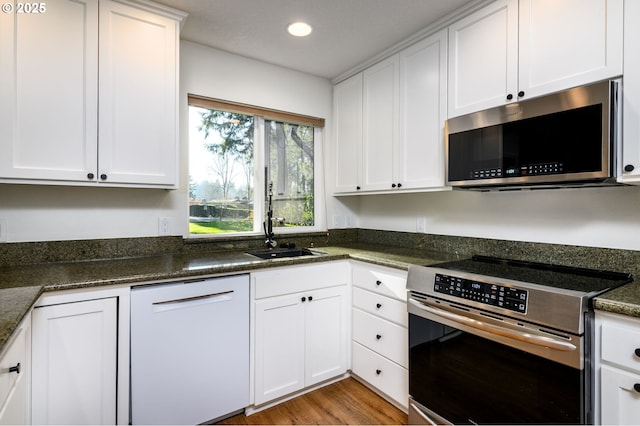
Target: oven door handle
(545, 341)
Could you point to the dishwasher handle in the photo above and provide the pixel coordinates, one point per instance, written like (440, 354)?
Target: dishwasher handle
(221, 295)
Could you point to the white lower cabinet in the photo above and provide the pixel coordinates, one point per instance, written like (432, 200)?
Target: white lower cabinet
(618, 368)
(15, 377)
(77, 347)
(379, 327)
(300, 328)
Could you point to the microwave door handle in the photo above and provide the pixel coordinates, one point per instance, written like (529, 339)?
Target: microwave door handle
(423, 415)
(545, 341)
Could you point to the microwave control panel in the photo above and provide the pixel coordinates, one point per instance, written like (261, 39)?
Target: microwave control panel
(510, 298)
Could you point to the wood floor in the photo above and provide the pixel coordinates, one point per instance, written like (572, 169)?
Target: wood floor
(346, 402)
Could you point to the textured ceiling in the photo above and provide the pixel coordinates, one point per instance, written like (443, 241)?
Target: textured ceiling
(345, 34)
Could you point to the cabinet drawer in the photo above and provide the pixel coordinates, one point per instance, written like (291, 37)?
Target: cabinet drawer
(385, 307)
(15, 353)
(385, 281)
(621, 345)
(294, 279)
(381, 336)
(390, 378)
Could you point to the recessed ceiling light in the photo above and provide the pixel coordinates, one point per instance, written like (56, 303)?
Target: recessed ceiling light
(299, 29)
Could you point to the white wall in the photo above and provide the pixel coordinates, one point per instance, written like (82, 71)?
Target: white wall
(596, 217)
(48, 213)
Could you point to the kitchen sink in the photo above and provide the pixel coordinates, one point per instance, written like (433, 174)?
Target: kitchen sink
(284, 252)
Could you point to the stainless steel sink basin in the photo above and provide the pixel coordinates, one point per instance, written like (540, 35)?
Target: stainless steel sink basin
(284, 252)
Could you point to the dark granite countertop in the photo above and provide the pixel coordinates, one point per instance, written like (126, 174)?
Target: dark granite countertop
(20, 286)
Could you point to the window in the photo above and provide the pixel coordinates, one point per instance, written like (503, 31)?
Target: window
(240, 155)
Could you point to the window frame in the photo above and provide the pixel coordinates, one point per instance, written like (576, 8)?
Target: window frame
(259, 157)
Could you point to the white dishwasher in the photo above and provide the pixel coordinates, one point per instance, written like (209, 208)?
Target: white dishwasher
(189, 350)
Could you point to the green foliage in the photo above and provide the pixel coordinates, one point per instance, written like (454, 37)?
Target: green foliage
(218, 227)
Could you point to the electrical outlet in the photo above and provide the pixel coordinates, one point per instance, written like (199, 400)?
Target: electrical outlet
(421, 224)
(3, 230)
(164, 226)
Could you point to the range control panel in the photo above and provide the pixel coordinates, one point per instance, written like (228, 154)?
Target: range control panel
(510, 298)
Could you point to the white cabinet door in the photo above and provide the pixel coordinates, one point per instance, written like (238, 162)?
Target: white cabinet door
(380, 118)
(483, 58)
(279, 347)
(423, 111)
(568, 43)
(326, 326)
(620, 401)
(138, 96)
(631, 95)
(347, 98)
(15, 367)
(74, 356)
(49, 93)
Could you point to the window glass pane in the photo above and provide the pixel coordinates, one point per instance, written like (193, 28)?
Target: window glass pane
(220, 171)
(289, 151)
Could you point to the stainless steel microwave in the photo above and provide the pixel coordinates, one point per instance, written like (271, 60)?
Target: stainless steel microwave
(569, 138)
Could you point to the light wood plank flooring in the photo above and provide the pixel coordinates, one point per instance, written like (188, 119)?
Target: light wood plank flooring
(346, 402)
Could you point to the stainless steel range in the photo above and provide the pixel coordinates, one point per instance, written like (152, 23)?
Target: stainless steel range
(501, 341)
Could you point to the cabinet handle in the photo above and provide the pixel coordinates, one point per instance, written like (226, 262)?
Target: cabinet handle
(378, 372)
(637, 352)
(378, 282)
(378, 337)
(103, 176)
(509, 96)
(378, 305)
(90, 176)
(629, 168)
(304, 299)
(15, 369)
(521, 94)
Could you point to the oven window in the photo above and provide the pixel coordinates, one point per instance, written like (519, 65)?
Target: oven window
(469, 379)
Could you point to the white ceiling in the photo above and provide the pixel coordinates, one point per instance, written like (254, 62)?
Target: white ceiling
(346, 33)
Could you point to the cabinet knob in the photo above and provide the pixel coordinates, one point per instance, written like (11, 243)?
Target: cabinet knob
(15, 369)
(378, 305)
(357, 188)
(103, 176)
(399, 185)
(521, 94)
(90, 176)
(636, 387)
(378, 337)
(637, 352)
(378, 282)
(509, 96)
(378, 372)
(393, 185)
(629, 168)
(304, 299)
(310, 298)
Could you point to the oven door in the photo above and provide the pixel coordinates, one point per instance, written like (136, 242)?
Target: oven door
(460, 373)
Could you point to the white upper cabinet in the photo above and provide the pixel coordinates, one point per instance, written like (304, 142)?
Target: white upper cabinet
(631, 95)
(423, 111)
(49, 92)
(390, 122)
(380, 116)
(509, 51)
(483, 58)
(347, 107)
(61, 124)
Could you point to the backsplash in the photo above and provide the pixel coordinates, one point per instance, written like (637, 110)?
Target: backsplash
(82, 250)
